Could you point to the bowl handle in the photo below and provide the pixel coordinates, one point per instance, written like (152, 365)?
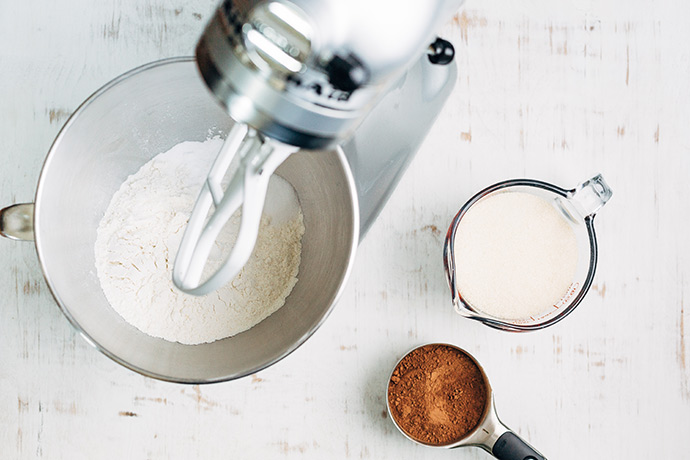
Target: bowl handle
(17, 222)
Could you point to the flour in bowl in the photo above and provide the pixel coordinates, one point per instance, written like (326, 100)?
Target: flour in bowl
(139, 235)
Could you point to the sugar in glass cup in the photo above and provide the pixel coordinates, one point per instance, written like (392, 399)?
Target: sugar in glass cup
(578, 208)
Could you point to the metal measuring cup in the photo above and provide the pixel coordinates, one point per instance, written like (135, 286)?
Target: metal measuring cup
(579, 207)
(490, 433)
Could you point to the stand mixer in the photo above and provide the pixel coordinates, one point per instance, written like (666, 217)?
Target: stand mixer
(367, 76)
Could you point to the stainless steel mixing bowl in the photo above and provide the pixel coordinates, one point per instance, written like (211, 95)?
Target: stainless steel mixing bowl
(122, 126)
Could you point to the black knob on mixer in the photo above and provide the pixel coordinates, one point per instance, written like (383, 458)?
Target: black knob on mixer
(346, 73)
(441, 52)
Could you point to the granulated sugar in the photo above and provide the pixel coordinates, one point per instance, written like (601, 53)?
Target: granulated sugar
(138, 238)
(515, 255)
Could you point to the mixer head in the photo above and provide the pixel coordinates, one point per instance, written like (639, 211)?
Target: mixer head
(306, 72)
(260, 62)
(292, 74)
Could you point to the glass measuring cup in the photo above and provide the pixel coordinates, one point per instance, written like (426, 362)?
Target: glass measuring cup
(490, 433)
(578, 208)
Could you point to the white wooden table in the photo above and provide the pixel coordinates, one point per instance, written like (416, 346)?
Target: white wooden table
(550, 89)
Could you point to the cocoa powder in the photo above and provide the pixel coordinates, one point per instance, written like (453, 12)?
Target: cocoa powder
(437, 394)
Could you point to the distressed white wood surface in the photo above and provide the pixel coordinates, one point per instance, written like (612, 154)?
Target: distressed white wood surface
(554, 90)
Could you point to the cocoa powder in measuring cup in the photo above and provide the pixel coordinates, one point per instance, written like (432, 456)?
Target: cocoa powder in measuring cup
(437, 394)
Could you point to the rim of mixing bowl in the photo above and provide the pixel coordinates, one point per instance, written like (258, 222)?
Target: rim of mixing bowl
(37, 241)
(449, 259)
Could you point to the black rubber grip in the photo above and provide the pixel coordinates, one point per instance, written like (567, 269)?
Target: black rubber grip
(510, 447)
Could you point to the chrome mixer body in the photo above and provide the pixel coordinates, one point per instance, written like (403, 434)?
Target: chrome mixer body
(367, 76)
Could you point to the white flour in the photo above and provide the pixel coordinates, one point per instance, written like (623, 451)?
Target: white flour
(138, 238)
(515, 255)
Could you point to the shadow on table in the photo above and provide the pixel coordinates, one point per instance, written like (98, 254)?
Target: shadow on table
(374, 396)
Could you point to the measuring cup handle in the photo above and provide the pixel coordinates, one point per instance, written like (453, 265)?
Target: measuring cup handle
(17, 222)
(588, 197)
(510, 446)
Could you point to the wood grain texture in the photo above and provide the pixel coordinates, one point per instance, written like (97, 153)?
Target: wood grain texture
(553, 90)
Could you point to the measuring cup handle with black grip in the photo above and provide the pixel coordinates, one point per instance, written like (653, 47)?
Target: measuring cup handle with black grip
(510, 446)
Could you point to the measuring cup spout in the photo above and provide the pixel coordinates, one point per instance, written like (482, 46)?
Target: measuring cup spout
(589, 197)
(258, 159)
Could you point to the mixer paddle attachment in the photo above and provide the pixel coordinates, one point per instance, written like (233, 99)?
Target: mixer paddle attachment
(258, 158)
